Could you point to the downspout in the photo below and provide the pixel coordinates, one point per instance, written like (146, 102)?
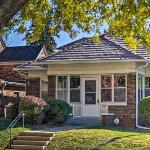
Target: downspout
(137, 103)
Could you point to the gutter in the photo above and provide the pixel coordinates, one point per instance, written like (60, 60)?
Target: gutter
(137, 103)
(12, 83)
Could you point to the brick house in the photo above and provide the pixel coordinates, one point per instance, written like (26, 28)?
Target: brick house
(97, 79)
(12, 83)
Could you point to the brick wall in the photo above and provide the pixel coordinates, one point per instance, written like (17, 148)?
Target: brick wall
(51, 86)
(33, 87)
(8, 74)
(127, 114)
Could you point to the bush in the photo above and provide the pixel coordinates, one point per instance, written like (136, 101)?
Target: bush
(32, 106)
(144, 110)
(57, 111)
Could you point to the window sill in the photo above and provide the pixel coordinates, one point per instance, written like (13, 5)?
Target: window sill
(115, 104)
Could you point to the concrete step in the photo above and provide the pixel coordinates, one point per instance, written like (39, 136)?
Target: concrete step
(27, 142)
(33, 138)
(27, 147)
(37, 133)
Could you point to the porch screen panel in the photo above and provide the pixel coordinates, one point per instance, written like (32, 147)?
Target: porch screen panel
(147, 86)
(62, 88)
(119, 88)
(106, 88)
(74, 88)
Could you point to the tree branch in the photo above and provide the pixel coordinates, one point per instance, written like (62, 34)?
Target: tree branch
(8, 9)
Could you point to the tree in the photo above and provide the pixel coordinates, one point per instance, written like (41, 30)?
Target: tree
(125, 18)
(45, 39)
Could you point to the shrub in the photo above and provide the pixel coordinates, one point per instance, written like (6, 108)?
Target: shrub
(144, 110)
(32, 106)
(56, 111)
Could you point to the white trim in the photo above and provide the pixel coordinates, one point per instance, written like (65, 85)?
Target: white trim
(56, 85)
(40, 52)
(97, 105)
(68, 89)
(87, 61)
(112, 102)
(28, 69)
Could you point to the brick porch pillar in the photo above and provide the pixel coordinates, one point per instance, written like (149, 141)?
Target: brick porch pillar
(127, 114)
(51, 86)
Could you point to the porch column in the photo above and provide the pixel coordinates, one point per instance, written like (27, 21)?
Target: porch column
(33, 87)
(52, 86)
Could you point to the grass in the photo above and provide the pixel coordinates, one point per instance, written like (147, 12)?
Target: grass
(4, 137)
(101, 139)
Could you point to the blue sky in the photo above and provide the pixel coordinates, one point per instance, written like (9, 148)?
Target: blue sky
(15, 39)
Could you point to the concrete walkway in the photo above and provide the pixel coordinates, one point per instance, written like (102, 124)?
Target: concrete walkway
(56, 128)
(73, 123)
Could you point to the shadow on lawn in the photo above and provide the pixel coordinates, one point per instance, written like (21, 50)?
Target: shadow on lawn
(121, 129)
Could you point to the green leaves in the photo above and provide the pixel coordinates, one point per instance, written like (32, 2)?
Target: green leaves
(126, 19)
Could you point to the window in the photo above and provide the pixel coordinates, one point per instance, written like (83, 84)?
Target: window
(74, 88)
(44, 88)
(62, 87)
(147, 86)
(113, 88)
(106, 88)
(119, 88)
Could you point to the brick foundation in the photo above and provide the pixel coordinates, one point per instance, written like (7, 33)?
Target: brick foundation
(33, 87)
(51, 86)
(127, 114)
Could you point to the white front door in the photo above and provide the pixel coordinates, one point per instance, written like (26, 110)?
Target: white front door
(90, 97)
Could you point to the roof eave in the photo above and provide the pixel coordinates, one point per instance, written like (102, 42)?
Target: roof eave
(28, 69)
(87, 61)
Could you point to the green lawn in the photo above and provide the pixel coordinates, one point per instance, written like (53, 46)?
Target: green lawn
(100, 139)
(4, 138)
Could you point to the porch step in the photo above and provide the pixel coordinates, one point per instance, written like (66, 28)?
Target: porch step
(25, 142)
(37, 133)
(32, 140)
(28, 147)
(84, 121)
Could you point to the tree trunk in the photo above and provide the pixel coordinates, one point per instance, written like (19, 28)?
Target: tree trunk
(8, 9)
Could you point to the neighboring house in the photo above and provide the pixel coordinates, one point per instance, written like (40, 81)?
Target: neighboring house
(97, 79)
(12, 83)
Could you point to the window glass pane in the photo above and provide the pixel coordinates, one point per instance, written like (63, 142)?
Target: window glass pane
(45, 94)
(106, 95)
(62, 88)
(119, 80)
(106, 81)
(75, 82)
(147, 82)
(62, 82)
(44, 88)
(74, 88)
(62, 94)
(120, 95)
(90, 98)
(90, 86)
(75, 95)
(147, 92)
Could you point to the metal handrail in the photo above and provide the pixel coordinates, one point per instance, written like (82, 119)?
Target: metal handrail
(11, 125)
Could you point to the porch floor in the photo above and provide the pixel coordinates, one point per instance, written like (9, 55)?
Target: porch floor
(84, 121)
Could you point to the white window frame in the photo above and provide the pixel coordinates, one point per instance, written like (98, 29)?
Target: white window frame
(113, 88)
(67, 88)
